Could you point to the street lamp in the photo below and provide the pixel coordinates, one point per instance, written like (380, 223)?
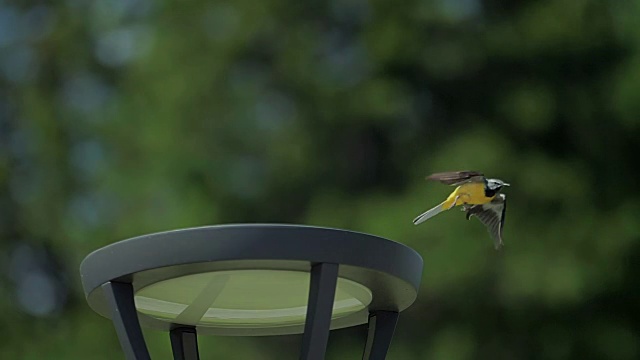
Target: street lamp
(252, 280)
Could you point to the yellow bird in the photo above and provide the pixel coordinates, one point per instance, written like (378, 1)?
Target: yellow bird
(478, 197)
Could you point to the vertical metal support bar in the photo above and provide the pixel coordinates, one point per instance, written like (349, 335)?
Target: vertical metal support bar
(125, 320)
(322, 291)
(184, 343)
(382, 324)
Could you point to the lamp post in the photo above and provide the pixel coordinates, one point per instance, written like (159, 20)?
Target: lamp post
(252, 280)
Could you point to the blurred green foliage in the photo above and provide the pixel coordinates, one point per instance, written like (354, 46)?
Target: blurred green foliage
(119, 118)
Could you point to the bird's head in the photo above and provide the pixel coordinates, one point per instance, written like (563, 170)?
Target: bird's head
(496, 184)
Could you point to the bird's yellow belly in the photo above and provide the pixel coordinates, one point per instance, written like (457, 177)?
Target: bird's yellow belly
(472, 193)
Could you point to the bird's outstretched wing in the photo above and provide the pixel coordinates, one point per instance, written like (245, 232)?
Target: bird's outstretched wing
(457, 177)
(492, 216)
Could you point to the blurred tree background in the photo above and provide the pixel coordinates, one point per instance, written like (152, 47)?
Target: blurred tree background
(123, 117)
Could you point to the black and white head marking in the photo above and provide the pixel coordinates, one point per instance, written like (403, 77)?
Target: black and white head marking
(495, 184)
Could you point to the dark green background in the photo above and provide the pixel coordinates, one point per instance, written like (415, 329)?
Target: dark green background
(119, 118)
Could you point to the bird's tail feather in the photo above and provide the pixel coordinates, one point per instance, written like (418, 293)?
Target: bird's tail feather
(429, 214)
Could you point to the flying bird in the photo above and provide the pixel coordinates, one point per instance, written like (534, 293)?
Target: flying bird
(478, 196)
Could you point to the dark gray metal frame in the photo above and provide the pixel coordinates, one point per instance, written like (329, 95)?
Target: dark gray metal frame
(392, 272)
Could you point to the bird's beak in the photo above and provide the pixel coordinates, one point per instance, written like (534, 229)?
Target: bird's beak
(505, 184)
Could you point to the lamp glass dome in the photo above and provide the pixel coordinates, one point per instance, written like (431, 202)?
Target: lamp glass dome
(243, 298)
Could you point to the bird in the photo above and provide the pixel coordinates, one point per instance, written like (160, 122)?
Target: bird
(478, 196)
